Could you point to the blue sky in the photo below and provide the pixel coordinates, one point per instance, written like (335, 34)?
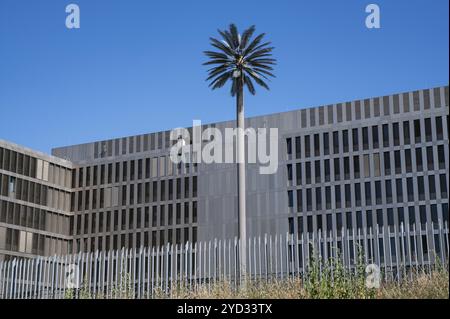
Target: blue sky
(135, 66)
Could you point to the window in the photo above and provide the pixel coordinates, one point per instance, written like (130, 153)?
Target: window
(337, 171)
(346, 168)
(291, 225)
(417, 131)
(299, 201)
(300, 226)
(376, 106)
(348, 220)
(419, 162)
(318, 198)
(366, 108)
(365, 133)
(388, 189)
(416, 100)
(347, 195)
(290, 199)
(378, 192)
(410, 189)
(401, 217)
(308, 172)
(308, 199)
(337, 195)
(443, 185)
(408, 161)
(307, 146)
(289, 146)
(170, 215)
(316, 145)
(397, 160)
(396, 132)
(406, 133)
(385, 135)
(317, 171)
(439, 129)
(387, 163)
(298, 147)
(309, 224)
(380, 221)
(155, 191)
(194, 212)
(154, 167)
(376, 164)
(326, 144)
(339, 223)
(355, 139)
(369, 223)
(390, 219)
(411, 216)
(434, 215)
(80, 177)
(366, 165)
(12, 187)
(423, 215)
(131, 219)
(430, 160)
(328, 197)
(358, 194)
(327, 170)
(356, 168)
(194, 186)
(359, 220)
(289, 173)
(298, 172)
(186, 185)
(432, 186)
(399, 190)
(329, 222)
(441, 157)
(345, 140)
(124, 171)
(375, 140)
(428, 134)
(319, 223)
(335, 142)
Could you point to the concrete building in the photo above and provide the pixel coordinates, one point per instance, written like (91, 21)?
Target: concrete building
(364, 163)
(35, 217)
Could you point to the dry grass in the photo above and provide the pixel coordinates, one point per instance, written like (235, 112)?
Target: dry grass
(421, 286)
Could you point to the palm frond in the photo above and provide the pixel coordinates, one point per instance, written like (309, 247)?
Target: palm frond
(221, 46)
(249, 83)
(227, 37)
(260, 54)
(215, 55)
(253, 44)
(220, 81)
(236, 52)
(246, 36)
(234, 35)
(216, 71)
(227, 62)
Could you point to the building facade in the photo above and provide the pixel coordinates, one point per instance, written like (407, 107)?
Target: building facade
(365, 163)
(35, 217)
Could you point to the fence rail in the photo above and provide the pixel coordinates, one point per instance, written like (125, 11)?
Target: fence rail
(150, 272)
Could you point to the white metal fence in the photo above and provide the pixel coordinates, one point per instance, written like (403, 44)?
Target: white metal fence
(147, 272)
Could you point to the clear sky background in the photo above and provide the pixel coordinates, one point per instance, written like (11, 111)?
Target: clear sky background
(134, 66)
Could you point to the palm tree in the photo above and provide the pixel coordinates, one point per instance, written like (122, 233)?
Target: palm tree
(240, 60)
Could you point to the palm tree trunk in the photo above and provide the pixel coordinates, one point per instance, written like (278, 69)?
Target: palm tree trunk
(241, 178)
